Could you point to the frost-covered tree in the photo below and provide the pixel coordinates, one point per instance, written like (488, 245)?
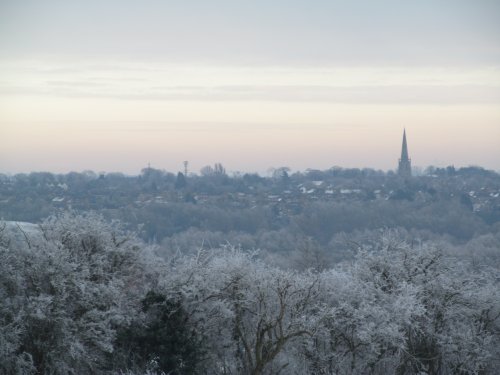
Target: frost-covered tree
(405, 310)
(249, 313)
(64, 290)
(80, 296)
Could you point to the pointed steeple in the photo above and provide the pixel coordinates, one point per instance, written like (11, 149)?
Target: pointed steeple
(404, 168)
(404, 149)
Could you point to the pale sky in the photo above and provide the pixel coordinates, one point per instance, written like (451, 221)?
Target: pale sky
(114, 85)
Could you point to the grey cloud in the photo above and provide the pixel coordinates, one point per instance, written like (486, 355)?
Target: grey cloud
(92, 83)
(421, 94)
(447, 32)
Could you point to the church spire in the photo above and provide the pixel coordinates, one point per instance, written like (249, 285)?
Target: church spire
(404, 149)
(404, 168)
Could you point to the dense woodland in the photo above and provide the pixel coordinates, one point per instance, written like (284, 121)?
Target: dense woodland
(343, 271)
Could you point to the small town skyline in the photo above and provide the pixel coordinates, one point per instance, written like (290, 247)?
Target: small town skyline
(399, 151)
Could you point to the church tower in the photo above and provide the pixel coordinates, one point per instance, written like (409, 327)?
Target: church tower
(404, 168)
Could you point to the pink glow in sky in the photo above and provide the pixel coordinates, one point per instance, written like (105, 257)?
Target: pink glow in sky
(111, 86)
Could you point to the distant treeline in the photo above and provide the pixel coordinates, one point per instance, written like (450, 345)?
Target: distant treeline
(286, 215)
